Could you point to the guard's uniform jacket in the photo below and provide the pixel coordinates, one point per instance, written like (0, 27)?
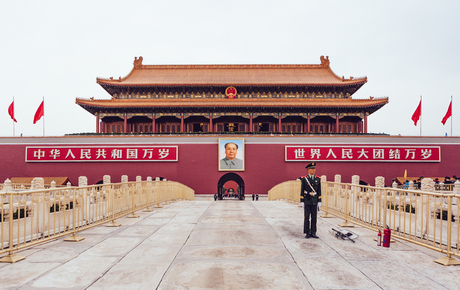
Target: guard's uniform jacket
(310, 201)
(306, 191)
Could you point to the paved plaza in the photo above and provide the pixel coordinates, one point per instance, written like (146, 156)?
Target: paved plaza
(229, 244)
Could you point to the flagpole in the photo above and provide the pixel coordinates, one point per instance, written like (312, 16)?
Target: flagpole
(451, 117)
(420, 115)
(43, 116)
(13, 122)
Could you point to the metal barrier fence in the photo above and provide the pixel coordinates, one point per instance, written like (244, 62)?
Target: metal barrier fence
(31, 217)
(429, 219)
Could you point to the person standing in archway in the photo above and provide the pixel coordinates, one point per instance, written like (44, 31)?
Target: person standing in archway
(310, 199)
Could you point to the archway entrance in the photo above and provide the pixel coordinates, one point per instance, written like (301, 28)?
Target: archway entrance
(226, 186)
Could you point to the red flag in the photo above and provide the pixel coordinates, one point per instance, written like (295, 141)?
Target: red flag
(448, 114)
(417, 113)
(40, 112)
(11, 111)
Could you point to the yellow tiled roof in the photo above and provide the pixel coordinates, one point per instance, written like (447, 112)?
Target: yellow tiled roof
(234, 75)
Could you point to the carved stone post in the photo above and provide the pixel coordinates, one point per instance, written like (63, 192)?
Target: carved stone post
(148, 193)
(426, 203)
(7, 186)
(456, 189)
(83, 181)
(106, 179)
(355, 191)
(380, 202)
(325, 197)
(167, 192)
(74, 197)
(338, 178)
(42, 208)
(355, 179)
(137, 190)
(157, 194)
(37, 183)
(411, 185)
(337, 189)
(110, 191)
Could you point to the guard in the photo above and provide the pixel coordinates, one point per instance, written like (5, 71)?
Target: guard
(310, 199)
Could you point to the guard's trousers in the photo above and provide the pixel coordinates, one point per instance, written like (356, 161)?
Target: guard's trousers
(310, 211)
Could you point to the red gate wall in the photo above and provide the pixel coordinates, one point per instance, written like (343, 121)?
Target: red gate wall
(197, 167)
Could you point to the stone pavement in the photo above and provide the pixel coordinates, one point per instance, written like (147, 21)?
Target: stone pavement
(226, 244)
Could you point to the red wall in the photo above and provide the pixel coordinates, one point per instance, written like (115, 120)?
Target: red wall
(197, 167)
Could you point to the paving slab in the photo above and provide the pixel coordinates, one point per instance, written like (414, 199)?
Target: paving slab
(18, 274)
(229, 244)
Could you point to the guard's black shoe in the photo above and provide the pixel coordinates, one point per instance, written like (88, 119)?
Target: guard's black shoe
(314, 236)
(307, 236)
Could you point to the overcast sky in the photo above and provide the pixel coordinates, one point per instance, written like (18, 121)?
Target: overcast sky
(56, 49)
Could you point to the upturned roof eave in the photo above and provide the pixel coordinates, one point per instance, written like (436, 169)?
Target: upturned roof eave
(273, 84)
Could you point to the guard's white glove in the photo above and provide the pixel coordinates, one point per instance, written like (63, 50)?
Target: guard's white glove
(302, 204)
(313, 193)
(319, 205)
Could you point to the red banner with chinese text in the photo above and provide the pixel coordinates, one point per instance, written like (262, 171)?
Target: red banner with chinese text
(101, 153)
(364, 153)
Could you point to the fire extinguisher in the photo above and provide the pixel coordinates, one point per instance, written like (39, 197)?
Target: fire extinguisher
(386, 237)
(379, 238)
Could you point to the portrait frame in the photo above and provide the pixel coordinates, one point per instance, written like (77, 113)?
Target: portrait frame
(223, 162)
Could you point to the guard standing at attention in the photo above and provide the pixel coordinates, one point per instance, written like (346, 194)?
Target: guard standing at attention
(310, 199)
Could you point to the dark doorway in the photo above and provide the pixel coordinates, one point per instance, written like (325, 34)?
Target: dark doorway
(264, 127)
(197, 127)
(231, 127)
(221, 190)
